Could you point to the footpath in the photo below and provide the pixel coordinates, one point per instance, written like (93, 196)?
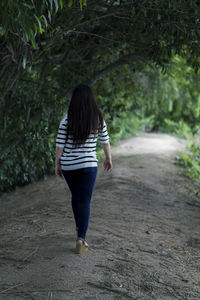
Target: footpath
(143, 235)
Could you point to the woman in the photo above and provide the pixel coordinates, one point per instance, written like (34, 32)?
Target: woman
(76, 155)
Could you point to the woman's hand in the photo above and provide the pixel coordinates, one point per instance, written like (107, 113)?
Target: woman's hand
(107, 164)
(58, 170)
(108, 160)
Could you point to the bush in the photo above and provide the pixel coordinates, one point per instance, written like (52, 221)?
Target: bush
(180, 128)
(191, 161)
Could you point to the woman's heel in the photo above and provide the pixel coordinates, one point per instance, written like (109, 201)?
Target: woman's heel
(81, 246)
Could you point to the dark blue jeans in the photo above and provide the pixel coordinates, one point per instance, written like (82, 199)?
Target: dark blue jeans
(81, 184)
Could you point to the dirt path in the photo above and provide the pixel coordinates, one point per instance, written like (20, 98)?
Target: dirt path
(143, 232)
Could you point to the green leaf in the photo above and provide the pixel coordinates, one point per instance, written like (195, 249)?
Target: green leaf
(49, 15)
(28, 6)
(36, 28)
(45, 20)
(39, 23)
(83, 2)
(56, 4)
(32, 38)
(10, 3)
(61, 4)
(70, 3)
(51, 4)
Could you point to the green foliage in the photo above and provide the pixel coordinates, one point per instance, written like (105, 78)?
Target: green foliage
(121, 48)
(129, 124)
(190, 160)
(27, 163)
(26, 19)
(179, 128)
(173, 96)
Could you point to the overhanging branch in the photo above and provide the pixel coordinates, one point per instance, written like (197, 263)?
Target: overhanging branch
(121, 61)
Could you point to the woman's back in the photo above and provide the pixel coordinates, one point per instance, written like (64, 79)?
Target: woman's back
(79, 155)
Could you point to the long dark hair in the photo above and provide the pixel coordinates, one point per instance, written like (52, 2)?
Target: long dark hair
(84, 116)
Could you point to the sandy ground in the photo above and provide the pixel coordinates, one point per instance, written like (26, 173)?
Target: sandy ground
(143, 233)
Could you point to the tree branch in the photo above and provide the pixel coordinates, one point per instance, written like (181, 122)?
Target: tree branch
(121, 61)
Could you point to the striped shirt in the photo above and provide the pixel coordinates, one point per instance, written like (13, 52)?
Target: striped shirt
(82, 156)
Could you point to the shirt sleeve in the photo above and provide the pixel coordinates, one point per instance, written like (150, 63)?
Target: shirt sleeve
(103, 135)
(62, 133)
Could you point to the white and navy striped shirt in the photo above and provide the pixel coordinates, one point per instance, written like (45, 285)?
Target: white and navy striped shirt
(82, 156)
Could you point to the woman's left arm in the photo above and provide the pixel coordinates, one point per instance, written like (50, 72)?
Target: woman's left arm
(60, 142)
(58, 170)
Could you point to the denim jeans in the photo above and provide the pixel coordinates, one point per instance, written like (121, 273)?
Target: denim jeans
(81, 184)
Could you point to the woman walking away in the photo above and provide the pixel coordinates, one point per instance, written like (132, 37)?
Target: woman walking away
(76, 159)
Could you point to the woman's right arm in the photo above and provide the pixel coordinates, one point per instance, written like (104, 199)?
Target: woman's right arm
(104, 139)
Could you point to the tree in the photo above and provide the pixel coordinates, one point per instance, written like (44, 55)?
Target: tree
(43, 61)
